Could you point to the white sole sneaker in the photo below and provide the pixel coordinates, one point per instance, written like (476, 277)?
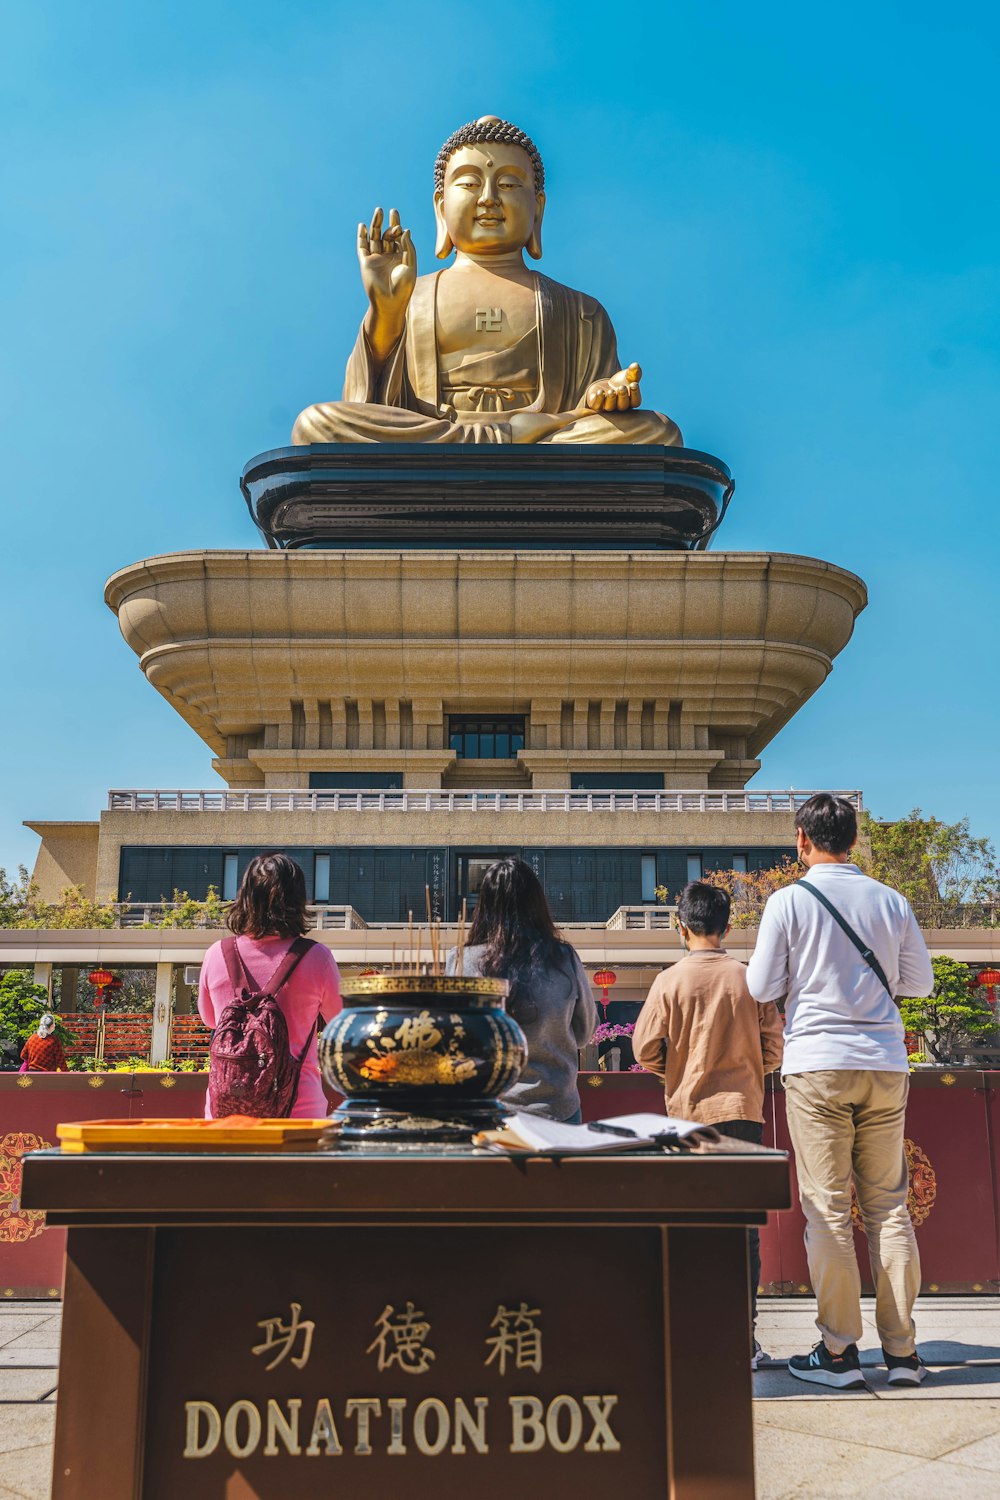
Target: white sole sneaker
(847, 1380)
(900, 1375)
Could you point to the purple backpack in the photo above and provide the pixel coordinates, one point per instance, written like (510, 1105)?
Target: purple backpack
(251, 1067)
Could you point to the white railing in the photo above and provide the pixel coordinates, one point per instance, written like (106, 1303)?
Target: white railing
(326, 918)
(165, 914)
(297, 799)
(642, 919)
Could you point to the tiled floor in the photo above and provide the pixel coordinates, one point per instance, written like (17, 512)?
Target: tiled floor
(29, 1356)
(942, 1440)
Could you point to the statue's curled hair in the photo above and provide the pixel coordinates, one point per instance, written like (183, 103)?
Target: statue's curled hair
(482, 132)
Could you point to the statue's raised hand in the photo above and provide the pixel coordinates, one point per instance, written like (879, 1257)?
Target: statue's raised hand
(388, 265)
(618, 393)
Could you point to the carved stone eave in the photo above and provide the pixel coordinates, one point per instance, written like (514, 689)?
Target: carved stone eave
(268, 651)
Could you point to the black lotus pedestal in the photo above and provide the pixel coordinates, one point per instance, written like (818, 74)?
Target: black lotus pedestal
(557, 496)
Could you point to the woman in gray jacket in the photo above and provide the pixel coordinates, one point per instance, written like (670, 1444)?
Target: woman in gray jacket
(513, 937)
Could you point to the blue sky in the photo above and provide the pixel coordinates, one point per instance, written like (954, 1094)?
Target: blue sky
(790, 212)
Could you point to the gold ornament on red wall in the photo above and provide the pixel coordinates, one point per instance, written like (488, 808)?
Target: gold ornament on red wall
(922, 1193)
(16, 1223)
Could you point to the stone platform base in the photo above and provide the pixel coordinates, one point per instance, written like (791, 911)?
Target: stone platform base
(686, 663)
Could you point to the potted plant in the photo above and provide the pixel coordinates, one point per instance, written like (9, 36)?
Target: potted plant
(951, 1020)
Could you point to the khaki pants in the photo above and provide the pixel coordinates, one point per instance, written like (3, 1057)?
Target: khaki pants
(848, 1124)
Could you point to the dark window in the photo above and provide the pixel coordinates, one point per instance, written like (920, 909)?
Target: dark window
(485, 737)
(230, 876)
(354, 781)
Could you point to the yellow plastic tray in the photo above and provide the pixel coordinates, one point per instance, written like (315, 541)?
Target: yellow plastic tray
(233, 1133)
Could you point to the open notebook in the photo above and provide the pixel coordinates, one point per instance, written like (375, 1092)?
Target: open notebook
(524, 1132)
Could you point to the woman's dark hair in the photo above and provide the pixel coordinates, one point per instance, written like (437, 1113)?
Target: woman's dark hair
(828, 822)
(513, 923)
(271, 900)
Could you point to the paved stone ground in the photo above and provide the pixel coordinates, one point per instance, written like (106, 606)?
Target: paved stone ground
(942, 1440)
(29, 1358)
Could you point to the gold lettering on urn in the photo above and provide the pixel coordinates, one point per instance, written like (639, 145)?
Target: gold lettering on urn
(287, 1428)
(418, 1031)
(324, 1430)
(363, 1408)
(196, 1447)
(231, 1427)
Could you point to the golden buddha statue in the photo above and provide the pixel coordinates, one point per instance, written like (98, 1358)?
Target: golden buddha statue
(486, 350)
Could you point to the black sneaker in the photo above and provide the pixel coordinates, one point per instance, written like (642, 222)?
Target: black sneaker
(905, 1369)
(758, 1359)
(841, 1371)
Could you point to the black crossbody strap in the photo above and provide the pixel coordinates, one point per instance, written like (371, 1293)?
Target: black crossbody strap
(859, 943)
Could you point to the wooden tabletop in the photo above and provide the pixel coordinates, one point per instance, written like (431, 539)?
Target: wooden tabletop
(322, 1186)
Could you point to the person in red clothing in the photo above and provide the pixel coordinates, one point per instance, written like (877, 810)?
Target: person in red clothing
(43, 1052)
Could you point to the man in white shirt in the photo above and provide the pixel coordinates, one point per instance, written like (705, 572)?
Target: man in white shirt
(846, 1079)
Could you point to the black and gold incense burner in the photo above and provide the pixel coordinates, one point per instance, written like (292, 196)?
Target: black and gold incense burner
(421, 1058)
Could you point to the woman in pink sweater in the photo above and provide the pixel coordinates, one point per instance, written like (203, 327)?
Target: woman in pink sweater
(269, 913)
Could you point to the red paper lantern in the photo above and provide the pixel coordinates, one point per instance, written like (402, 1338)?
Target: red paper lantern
(605, 978)
(988, 979)
(101, 979)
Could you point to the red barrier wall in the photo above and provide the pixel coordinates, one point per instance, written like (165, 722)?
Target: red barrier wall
(953, 1136)
(953, 1127)
(31, 1106)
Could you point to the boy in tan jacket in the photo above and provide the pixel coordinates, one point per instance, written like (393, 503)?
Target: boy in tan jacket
(704, 1034)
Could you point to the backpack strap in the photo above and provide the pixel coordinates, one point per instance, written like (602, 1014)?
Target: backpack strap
(283, 973)
(240, 977)
(848, 930)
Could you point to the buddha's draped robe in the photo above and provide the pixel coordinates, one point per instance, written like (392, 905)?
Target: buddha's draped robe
(421, 396)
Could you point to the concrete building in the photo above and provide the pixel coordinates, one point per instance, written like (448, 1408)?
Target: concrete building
(396, 716)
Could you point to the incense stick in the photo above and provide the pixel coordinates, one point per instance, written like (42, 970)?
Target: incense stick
(461, 940)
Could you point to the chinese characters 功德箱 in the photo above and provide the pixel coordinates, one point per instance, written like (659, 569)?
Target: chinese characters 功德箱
(281, 1336)
(401, 1339)
(518, 1336)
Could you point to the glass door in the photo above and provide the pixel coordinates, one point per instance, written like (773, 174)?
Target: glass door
(470, 867)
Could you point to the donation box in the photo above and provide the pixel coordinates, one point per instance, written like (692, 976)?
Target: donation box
(356, 1363)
